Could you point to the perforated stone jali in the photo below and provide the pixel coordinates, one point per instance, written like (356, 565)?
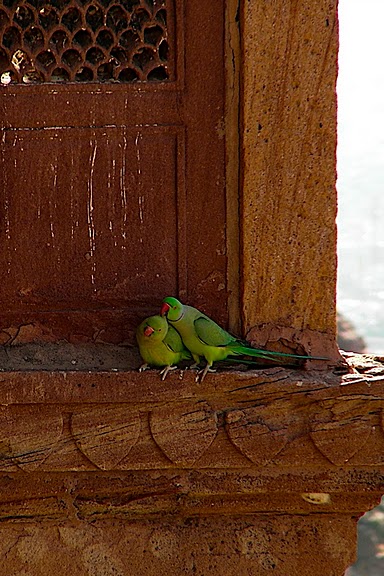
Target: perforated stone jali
(84, 41)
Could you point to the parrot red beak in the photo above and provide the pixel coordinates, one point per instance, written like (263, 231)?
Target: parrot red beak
(164, 309)
(148, 331)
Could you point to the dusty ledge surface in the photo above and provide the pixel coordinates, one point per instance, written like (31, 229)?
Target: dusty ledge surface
(68, 357)
(95, 357)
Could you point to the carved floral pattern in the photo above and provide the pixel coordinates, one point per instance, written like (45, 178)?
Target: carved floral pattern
(340, 429)
(23, 436)
(105, 436)
(256, 433)
(184, 431)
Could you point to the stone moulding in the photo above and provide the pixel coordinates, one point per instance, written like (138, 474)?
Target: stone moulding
(108, 421)
(125, 443)
(191, 434)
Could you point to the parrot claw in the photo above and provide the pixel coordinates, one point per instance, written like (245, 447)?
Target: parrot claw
(193, 366)
(164, 371)
(143, 367)
(204, 373)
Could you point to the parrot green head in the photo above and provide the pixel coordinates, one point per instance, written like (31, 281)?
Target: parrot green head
(154, 328)
(172, 309)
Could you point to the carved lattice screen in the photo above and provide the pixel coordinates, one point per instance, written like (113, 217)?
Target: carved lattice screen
(85, 41)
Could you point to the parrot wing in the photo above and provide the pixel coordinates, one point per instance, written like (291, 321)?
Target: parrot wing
(211, 333)
(174, 341)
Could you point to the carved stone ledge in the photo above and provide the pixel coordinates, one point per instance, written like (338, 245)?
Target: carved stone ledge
(275, 419)
(252, 471)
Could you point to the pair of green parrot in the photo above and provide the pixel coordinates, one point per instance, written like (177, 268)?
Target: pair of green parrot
(182, 332)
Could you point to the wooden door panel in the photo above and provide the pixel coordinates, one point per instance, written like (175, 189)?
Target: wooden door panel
(85, 206)
(113, 191)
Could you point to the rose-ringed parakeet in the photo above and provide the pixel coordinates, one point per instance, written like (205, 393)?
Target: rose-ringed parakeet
(203, 337)
(160, 345)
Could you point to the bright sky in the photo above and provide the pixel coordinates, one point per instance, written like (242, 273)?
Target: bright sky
(361, 167)
(361, 79)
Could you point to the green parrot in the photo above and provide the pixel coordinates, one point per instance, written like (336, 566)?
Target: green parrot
(160, 344)
(203, 337)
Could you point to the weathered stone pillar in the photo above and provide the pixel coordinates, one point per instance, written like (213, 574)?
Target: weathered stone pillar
(288, 201)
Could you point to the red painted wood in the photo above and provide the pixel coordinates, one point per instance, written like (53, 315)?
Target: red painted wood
(113, 194)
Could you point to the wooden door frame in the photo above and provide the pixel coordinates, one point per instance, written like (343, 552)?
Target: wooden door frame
(233, 159)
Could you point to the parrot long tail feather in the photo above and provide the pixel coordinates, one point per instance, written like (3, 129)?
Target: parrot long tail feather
(269, 354)
(234, 360)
